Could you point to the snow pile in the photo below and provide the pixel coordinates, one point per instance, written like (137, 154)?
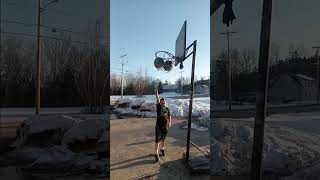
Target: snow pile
(144, 107)
(287, 152)
(60, 143)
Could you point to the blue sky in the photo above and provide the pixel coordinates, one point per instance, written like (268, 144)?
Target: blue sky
(74, 15)
(140, 28)
(293, 24)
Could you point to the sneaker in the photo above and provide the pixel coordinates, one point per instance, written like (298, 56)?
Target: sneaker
(162, 152)
(156, 157)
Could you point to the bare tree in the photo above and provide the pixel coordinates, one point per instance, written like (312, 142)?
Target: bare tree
(28, 73)
(140, 84)
(12, 66)
(247, 60)
(274, 53)
(115, 83)
(92, 76)
(57, 56)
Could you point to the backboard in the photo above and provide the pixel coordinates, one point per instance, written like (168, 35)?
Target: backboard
(180, 48)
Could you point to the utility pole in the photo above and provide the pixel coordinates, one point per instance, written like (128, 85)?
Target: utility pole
(122, 64)
(2, 99)
(262, 92)
(38, 55)
(229, 65)
(181, 82)
(38, 59)
(318, 63)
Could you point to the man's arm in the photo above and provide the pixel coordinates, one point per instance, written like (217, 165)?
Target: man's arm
(157, 95)
(169, 118)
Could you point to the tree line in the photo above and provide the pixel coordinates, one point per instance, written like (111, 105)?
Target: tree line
(72, 74)
(244, 65)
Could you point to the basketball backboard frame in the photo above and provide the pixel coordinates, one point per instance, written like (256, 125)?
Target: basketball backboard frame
(181, 43)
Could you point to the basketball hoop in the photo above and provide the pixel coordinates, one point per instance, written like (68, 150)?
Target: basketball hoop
(164, 61)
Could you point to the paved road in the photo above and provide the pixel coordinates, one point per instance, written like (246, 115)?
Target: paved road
(31, 111)
(247, 113)
(132, 148)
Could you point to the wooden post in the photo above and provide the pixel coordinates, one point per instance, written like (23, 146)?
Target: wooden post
(261, 97)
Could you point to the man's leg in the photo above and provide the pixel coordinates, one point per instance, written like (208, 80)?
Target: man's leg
(163, 138)
(162, 144)
(156, 147)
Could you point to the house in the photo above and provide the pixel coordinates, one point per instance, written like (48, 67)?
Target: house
(292, 87)
(201, 89)
(169, 88)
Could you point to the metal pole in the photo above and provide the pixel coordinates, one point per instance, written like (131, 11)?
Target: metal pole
(318, 63)
(1, 104)
(191, 99)
(38, 60)
(122, 79)
(229, 70)
(181, 82)
(261, 97)
(122, 64)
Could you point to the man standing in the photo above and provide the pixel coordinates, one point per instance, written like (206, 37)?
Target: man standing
(162, 125)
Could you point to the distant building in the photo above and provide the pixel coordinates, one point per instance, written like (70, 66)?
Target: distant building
(292, 87)
(201, 89)
(169, 88)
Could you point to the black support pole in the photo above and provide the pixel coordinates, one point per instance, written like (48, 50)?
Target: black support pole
(261, 97)
(191, 99)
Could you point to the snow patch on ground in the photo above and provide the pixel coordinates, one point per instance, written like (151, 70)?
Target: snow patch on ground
(288, 153)
(144, 107)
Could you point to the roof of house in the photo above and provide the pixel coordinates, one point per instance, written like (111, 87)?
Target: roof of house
(170, 86)
(302, 76)
(204, 86)
(297, 77)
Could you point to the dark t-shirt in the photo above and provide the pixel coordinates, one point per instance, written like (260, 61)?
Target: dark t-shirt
(162, 116)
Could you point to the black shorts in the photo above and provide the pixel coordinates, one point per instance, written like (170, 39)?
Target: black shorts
(161, 133)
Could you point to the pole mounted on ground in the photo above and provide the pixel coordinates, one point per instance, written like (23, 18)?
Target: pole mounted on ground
(122, 65)
(262, 89)
(181, 82)
(318, 64)
(228, 33)
(38, 55)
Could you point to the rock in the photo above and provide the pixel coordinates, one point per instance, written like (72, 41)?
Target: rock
(84, 135)
(124, 102)
(148, 106)
(124, 105)
(42, 131)
(60, 159)
(24, 156)
(135, 104)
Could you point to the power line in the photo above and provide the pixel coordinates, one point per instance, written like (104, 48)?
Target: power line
(48, 37)
(46, 26)
(33, 5)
